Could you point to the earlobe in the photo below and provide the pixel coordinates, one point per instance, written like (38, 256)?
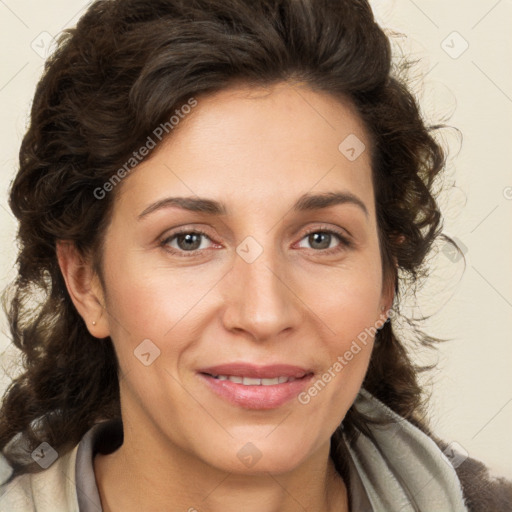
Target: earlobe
(383, 317)
(83, 287)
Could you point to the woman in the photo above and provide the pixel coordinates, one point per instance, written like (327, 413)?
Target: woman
(194, 348)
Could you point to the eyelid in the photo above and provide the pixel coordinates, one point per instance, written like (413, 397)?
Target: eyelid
(342, 233)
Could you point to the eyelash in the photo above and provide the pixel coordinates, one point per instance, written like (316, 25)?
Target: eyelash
(345, 243)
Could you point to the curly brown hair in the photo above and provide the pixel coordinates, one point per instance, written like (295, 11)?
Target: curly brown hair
(121, 72)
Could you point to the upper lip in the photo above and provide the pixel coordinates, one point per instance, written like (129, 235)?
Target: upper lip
(255, 371)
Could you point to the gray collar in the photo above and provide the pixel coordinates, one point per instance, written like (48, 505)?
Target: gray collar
(403, 470)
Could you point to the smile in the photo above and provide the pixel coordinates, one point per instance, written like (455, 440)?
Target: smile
(256, 388)
(251, 381)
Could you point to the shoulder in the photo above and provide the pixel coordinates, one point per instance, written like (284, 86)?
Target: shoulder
(399, 465)
(482, 492)
(50, 490)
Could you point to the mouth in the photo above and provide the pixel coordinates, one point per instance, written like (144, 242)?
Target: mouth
(252, 381)
(256, 387)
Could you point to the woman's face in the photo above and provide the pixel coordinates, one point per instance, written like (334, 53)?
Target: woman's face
(272, 281)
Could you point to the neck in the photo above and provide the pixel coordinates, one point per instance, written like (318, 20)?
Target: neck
(128, 478)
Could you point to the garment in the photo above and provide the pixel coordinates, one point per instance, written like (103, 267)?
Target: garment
(405, 471)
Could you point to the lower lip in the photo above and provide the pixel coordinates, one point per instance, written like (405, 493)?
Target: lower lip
(256, 397)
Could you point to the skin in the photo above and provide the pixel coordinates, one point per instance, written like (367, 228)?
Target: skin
(257, 151)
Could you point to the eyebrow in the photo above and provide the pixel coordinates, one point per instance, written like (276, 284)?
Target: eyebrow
(307, 202)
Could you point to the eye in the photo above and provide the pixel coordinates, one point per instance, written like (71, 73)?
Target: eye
(185, 241)
(321, 240)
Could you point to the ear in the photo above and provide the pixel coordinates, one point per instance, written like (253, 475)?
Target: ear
(388, 296)
(388, 293)
(84, 288)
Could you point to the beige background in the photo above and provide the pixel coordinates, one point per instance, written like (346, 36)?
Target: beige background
(465, 57)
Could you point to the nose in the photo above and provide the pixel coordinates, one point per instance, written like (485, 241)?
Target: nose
(260, 299)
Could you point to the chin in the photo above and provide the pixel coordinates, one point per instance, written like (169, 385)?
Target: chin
(260, 457)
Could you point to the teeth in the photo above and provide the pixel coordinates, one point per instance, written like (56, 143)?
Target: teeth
(251, 381)
(248, 381)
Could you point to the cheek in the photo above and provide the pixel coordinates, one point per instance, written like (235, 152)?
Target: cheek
(350, 314)
(156, 303)
(353, 318)
(349, 305)
(348, 299)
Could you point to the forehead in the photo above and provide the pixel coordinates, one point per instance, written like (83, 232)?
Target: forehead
(256, 144)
